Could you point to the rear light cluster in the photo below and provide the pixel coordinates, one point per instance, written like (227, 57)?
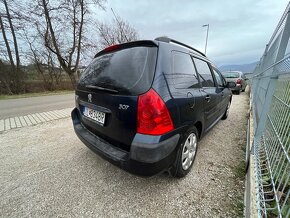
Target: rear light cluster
(238, 81)
(153, 117)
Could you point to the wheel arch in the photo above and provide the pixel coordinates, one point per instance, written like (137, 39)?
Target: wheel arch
(198, 125)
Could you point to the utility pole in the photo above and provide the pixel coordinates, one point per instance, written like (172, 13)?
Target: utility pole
(206, 25)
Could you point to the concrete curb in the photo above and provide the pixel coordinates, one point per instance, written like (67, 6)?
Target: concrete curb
(33, 119)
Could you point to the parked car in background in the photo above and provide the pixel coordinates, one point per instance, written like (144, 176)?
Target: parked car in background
(144, 105)
(239, 78)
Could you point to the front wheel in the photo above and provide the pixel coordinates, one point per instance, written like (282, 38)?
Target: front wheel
(186, 154)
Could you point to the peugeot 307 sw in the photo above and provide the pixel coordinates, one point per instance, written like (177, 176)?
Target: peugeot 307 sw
(144, 105)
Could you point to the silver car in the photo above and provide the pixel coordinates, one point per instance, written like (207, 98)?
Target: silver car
(239, 78)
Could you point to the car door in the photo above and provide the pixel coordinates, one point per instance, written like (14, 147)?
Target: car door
(186, 88)
(221, 90)
(209, 93)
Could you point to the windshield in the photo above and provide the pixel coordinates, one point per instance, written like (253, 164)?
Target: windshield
(128, 71)
(231, 75)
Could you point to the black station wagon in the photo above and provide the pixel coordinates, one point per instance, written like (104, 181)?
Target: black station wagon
(144, 105)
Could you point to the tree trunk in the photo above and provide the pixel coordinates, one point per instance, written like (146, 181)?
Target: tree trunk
(7, 44)
(80, 35)
(13, 35)
(72, 79)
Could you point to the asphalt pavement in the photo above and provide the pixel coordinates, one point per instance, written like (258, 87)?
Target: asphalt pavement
(25, 106)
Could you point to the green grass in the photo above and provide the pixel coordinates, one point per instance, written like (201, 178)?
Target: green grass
(238, 204)
(240, 170)
(27, 95)
(239, 173)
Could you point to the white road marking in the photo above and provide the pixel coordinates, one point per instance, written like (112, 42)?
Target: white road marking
(33, 119)
(2, 125)
(7, 124)
(12, 123)
(17, 121)
(27, 120)
(40, 117)
(36, 118)
(23, 123)
(44, 116)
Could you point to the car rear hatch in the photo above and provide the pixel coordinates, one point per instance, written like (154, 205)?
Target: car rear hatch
(231, 76)
(107, 92)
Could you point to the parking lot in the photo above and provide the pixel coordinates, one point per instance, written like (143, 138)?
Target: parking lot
(47, 171)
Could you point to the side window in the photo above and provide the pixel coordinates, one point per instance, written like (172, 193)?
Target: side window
(184, 74)
(218, 78)
(204, 73)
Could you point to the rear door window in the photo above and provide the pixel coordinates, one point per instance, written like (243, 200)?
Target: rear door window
(128, 71)
(184, 73)
(204, 73)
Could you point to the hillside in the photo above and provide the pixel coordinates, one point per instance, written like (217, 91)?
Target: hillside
(245, 68)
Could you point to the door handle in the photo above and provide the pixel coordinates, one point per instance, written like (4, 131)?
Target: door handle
(207, 98)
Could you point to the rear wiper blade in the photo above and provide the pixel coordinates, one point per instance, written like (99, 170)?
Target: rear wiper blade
(101, 88)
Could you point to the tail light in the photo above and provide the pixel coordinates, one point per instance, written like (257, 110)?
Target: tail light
(153, 117)
(238, 81)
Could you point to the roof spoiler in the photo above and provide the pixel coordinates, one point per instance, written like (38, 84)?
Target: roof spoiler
(148, 43)
(168, 40)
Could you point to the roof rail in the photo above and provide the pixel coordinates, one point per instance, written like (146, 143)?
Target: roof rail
(168, 40)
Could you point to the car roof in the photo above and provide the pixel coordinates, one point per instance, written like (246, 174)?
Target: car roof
(183, 48)
(160, 41)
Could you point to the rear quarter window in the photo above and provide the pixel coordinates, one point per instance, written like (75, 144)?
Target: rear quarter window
(129, 71)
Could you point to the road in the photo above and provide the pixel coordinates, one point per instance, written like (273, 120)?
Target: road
(46, 171)
(24, 106)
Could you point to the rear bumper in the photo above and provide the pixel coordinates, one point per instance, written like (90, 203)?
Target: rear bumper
(145, 159)
(238, 87)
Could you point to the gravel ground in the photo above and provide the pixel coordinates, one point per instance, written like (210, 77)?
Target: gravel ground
(47, 171)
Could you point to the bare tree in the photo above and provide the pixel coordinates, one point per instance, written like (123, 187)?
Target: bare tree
(119, 31)
(43, 62)
(56, 35)
(71, 12)
(15, 76)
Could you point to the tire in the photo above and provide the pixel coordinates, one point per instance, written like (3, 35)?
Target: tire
(186, 154)
(226, 114)
(238, 92)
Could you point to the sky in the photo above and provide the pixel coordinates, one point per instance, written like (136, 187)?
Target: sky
(238, 29)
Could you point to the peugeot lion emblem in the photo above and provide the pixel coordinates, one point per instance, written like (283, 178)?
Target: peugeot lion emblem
(89, 97)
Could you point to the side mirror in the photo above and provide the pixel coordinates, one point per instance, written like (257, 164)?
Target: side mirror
(231, 85)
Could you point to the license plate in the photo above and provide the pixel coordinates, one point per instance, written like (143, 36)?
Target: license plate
(95, 115)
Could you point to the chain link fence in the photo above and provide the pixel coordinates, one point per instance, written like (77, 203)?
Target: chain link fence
(270, 96)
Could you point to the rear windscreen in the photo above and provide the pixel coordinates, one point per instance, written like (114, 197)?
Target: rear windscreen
(231, 75)
(128, 71)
